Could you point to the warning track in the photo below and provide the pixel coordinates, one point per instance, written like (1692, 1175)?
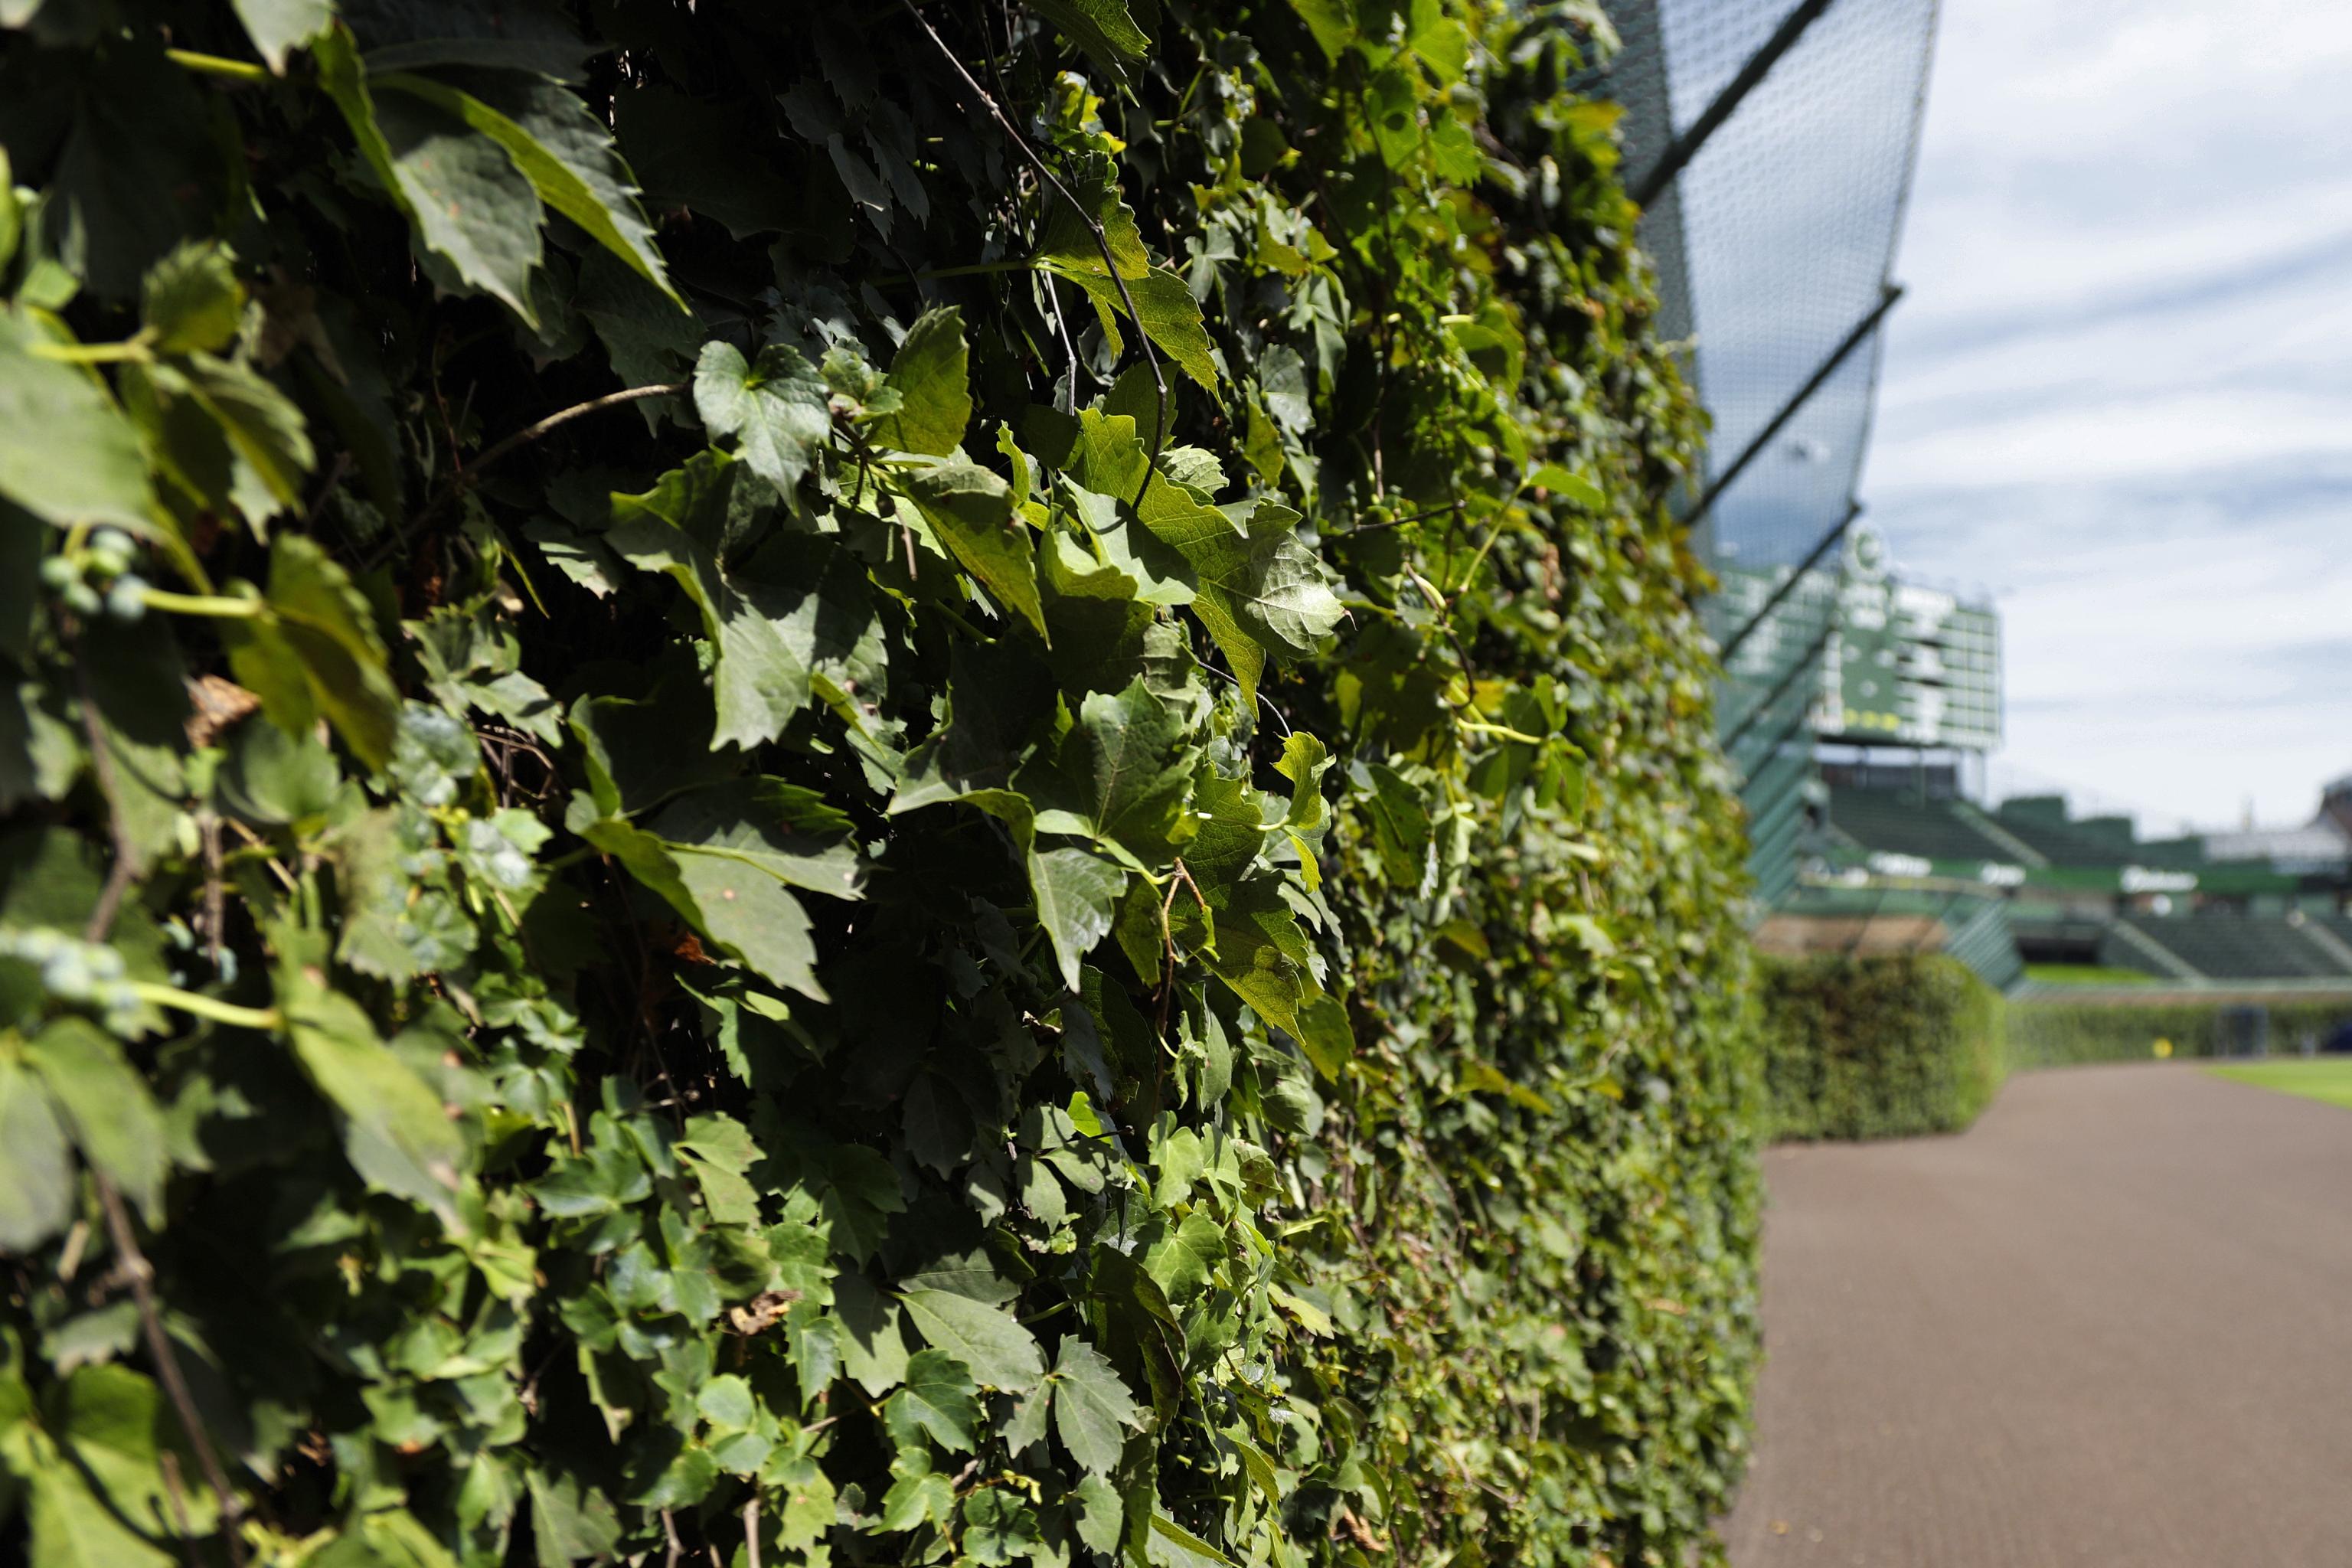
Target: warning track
(2110, 1324)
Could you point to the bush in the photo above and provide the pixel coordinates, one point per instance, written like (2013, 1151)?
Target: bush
(2051, 1032)
(1878, 1047)
(987, 833)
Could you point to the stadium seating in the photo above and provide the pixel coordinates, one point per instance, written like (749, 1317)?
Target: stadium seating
(1904, 825)
(2069, 846)
(2234, 947)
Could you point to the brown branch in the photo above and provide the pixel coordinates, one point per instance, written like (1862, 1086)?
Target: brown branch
(167, 1365)
(117, 1221)
(530, 433)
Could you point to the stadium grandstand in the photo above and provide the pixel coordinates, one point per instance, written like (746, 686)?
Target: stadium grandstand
(1857, 704)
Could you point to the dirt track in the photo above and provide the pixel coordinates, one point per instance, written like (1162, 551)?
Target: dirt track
(2111, 1324)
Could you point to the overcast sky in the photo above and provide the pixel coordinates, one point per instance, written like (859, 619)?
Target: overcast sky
(2119, 392)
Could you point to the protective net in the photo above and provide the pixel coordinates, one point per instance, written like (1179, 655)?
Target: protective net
(1774, 241)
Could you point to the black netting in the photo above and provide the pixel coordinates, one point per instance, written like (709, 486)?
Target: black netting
(1773, 242)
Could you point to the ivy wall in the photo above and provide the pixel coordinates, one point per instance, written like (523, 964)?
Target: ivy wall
(852, 783)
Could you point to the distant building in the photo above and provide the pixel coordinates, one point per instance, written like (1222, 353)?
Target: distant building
(2319, 847)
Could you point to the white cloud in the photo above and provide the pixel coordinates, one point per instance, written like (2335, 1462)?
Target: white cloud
(2121, 388)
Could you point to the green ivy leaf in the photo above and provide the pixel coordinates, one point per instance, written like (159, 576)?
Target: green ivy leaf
(190, 300)
(36, 1177)
(562, 148)
(939, 1398)
(1164, 307)
(113, 1118)
(971, 510)
(1121, 775)
(396, 1132)
(468, 203)
(1103, 28)
(761, 678)
(776, 409)
(278, 28)
(931, 377)
(67, 454)
(71, 1529)
(1076, 892)
(999, 1350)
(316, 651)
(1093, 1410)
(116, 1422)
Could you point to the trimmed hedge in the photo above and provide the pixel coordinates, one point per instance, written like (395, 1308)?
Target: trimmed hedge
(1878, 1047)
(852, 783)
(2055, 1032)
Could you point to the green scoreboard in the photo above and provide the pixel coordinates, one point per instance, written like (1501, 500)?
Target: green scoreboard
(1901, 664)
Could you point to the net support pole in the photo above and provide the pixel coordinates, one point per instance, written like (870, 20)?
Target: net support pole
(1822, 373)
(1814, 558)
(1781, 689)
(1685, 147)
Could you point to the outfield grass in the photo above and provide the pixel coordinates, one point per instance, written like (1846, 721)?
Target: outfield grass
(2325, 1078)
(2086, 974)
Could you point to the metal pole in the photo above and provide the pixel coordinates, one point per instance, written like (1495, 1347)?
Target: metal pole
(1780, 690)
(1827, 368)
(1812, 558)
(1686, 146)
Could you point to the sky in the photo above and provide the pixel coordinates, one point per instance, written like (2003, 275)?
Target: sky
(2118, 394)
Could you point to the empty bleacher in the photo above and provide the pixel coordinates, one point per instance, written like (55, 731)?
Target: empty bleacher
(1902, 824)
(2232, 947)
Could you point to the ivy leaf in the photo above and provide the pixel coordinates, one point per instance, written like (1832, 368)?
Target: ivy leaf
(1102, 27)
(316, 651)
(1076, 893)
(931, 379)
(192, 301)
(1304, 762)
(562, 148)
(1119, 775)
(468, 203)
(113, 1118)
(397, 1134)
(36, 1177)
(71, 1529)
(873, 1347)
(1261, 592)
(740, 821)
(776, 408)
(1324, 1033)
(1093, 1410)
(1164, 307)
(940, 1398)
(1101, 1521)
(732, 902)
(67, 453)
(999, 1350)
(1170, 1545)
(761, 677)
(970, 510)
(260, 423)
(861, 1193)
(918, 1493)
(569, 1521)
(279, 27)
(115, 1422)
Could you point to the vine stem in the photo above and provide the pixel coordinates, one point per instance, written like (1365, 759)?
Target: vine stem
(216, 605)
(215, 65)
(530, 433)
(117, 1220)
(189, 1002)
(1093, 227)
